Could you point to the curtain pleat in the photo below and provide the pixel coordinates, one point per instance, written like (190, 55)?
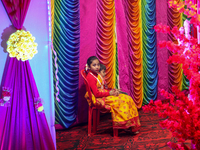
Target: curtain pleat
(106, 46)
(150, 66)
(66, 42)
(134, 32)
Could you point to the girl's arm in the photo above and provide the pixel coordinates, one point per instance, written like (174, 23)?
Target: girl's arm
(93, 85)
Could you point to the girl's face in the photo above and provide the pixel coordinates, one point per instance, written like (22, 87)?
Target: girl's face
(103, 73)
(95, 66)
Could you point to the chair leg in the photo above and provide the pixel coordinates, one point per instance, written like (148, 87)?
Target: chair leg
(89, 121)
(115, 132)
(98, 116)
(94, 121)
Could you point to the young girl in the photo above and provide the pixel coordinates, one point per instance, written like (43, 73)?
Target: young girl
(123, 109)
(102, 74)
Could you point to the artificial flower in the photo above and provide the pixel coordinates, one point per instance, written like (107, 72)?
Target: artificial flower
(182, 113)
(21, 45)
(38, 104)
(6, 95)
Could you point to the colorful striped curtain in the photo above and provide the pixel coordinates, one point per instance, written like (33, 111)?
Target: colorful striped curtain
(120, 33)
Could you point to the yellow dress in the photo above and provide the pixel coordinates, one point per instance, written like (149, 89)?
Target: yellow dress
(122, 107)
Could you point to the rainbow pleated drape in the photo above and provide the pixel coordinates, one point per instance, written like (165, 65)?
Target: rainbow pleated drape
(106, 40)
(66, 40)
(121, 35)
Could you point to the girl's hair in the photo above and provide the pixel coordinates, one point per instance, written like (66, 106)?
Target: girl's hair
(90, 60)
(102, 67)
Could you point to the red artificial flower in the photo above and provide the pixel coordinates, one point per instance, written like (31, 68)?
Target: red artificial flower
(162, 44)
(175, 30)
(180, 7)
(193, 41)
(158, 27)
(182, 114)
(165, 29)
(151, 102)
(172, 145)
(6, 93)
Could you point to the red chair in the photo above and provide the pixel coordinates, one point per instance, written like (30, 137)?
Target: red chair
(93, 111)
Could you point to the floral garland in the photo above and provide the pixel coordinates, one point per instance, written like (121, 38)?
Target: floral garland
(21, 45)
(6, 95)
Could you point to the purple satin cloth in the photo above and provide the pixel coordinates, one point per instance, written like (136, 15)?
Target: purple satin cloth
(24, 128)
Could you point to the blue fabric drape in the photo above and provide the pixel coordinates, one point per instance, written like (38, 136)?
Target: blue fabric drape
(150, 66)
(67, 44)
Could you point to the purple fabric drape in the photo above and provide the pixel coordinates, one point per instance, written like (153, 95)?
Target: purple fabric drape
(16, 10)
(24, 128)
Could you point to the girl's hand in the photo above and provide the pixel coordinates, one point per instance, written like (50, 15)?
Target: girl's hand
(112, 93)
(116, 92)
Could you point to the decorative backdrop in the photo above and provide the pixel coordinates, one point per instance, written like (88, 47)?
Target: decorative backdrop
(122, 39)
(41, 68)
(120, 33)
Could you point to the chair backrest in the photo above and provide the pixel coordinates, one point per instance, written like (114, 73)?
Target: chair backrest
(84, 74)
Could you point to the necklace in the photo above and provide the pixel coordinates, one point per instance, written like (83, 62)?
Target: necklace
(97, 79)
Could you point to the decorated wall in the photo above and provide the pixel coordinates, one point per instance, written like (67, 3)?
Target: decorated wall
(36, 21)
(120, 33)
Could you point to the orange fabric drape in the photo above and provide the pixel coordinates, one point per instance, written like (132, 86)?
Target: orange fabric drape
(134, 25)
(106, 47)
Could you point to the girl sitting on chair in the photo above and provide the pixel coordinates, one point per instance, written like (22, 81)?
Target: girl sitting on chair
(123, 109)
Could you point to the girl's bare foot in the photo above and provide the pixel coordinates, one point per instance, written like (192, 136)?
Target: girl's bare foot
(136, 132)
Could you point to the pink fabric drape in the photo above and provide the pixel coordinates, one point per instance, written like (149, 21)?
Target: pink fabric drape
(24, 128)
(122, 46)
(87, 49)
(162, 53)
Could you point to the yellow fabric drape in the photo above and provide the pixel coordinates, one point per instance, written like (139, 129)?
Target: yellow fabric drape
(52, 18)
(134, 23)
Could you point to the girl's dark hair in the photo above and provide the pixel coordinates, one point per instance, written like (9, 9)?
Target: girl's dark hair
(102, 67)
(90, 60)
